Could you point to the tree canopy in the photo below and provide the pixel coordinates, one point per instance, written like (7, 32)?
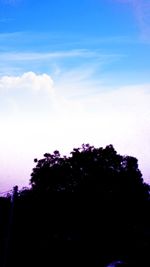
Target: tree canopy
(91, 207)
(100, 197)
(90, 170)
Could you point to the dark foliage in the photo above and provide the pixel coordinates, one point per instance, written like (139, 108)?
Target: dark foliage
(89, 170)
(89, 208)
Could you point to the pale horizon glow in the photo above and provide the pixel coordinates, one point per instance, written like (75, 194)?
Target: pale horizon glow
(72, 72)
(46, 118)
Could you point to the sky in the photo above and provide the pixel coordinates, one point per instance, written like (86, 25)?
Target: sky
(72, 72)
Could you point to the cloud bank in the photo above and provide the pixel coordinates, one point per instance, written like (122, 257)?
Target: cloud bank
(37, 115)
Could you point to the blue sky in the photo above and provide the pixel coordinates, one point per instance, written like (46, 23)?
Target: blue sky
(111, 35)
(72, 72)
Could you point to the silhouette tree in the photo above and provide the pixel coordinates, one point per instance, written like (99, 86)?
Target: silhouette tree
(99, 196)
(90, 169)
(91, 207)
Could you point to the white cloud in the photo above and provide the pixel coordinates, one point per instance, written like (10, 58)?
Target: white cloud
(27, 80)
(25, 93)
(40, 116)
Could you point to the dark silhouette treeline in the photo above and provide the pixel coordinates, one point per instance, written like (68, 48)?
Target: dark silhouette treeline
(88, 208)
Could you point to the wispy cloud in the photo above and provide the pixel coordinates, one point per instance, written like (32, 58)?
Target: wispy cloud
(10, 2)
(57, 39)
(16, 56)
(5, 20)
(48, 60)
(141, 9)
(142, 12)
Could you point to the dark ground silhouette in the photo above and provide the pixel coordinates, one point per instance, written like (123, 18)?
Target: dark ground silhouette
(91, 208)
